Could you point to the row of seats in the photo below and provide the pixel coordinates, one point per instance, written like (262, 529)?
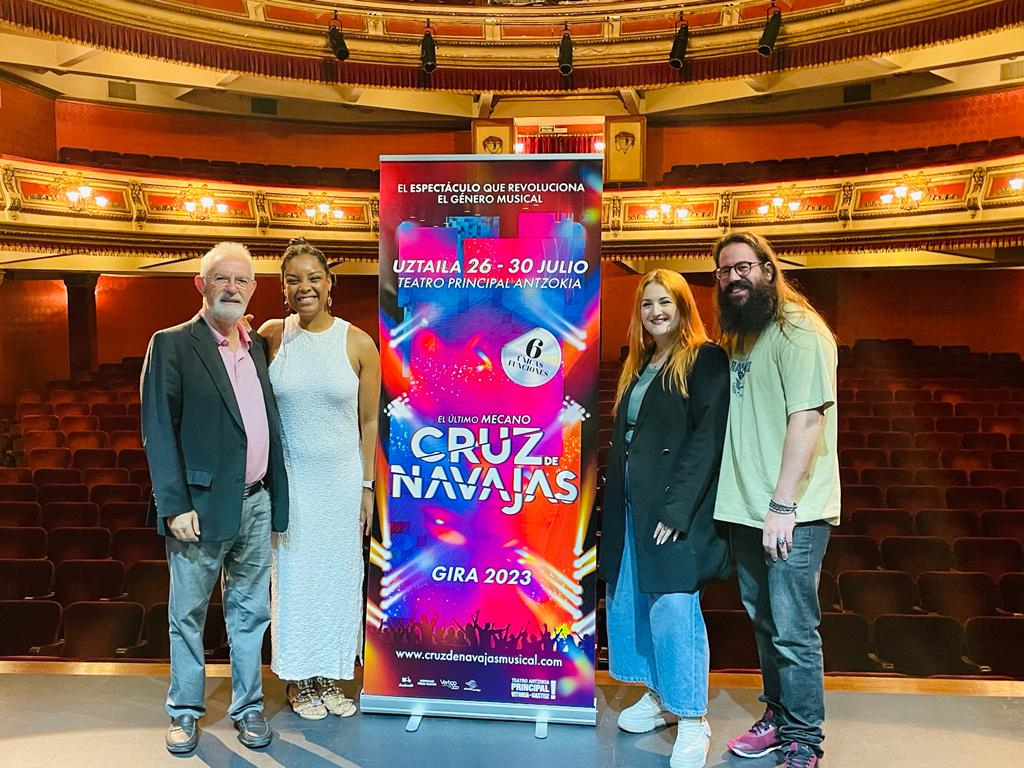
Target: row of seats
(947, 524)
(126, 544)
(71, 581)
(225, 170)
(109, 503)
(918, 645)
(918, 554)
(914, 498)
(839, 165)
(111, 630)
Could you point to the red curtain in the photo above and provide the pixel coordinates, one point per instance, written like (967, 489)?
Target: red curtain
(559, 143)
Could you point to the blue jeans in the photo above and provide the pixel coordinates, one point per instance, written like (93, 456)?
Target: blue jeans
(194, 568)
(782, 600)
(657, 639)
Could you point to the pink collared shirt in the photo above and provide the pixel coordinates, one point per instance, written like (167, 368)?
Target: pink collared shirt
(245, 382)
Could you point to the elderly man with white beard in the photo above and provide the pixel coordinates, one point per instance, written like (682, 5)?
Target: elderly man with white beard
(211, 431)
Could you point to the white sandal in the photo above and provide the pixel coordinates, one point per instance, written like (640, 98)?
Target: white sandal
(334, 699)
(305, 700)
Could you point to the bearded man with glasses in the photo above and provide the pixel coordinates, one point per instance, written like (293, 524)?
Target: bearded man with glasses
(779, 485)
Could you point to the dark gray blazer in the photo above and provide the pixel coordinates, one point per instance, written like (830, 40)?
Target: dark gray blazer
(674, 458)
(193, 434)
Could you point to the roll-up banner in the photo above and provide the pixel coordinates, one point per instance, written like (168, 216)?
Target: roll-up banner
(480, 596)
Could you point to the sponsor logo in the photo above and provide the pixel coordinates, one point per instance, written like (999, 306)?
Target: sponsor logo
(406, 682)
(529, 688)
(450, 684)
(471, 686)
(427, 682)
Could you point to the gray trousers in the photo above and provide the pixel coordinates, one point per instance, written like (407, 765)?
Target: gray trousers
(781, 598)
(195, 567)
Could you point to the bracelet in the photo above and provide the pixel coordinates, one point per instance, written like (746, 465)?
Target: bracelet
(781, 509)
(368, 485)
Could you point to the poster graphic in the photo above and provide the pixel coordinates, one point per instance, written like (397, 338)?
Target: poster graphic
(480, 597)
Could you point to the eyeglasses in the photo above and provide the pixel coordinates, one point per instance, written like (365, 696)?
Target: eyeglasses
(742, 269)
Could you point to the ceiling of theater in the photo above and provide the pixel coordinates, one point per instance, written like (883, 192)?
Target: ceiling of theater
(498, 59)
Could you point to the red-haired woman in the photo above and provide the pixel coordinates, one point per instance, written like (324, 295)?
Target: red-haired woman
(659, 543)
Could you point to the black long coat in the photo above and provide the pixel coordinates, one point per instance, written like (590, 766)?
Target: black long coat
(193, 433)
(674, 458)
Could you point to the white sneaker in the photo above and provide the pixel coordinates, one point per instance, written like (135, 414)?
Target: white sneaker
(644, 716)
(693, 740)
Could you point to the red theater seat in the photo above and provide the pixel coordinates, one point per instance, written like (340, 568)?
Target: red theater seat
(869, 424)
(1003, 523)
(96, 630)
(23, 543)
(1003, 479)
(996, 642)
(937, 441)
(37, 440)
(916, 554)
(881, 523)
(105, 476)
(47, 476)
(133, 544)
(933, 410)
(59, 458)
(78, 544)
(975, 410)
(149, 582)
(941, 478)
(80, 440)
(977, 498)
(731, 638)
(722, 595)
(12, 475)
(1007, 425)
(79, 580)
(70, 514)
(47, 494)
(61, 410)
(86, 458)
(948, 524)
(104, 494)
(17, 492)
(101, 410)
(70, 424)
(1008, 460)
(1015, 498)
(872, 593)
(984, 441)
(116, 515)
(886, 477)
(861, 497)
(890, 440)
(16, 514)
(922, 645)
(914, 497)
(959, 595)
(965, 459)
(850, 553)
(27, 624)
(132, 458)
(889, 410)
(25, 578)
(1011, 592)
(863, 458)
(119, 441)
(844, 641)
(994, 556)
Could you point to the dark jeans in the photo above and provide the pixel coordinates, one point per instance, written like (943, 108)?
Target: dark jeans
(782, 600)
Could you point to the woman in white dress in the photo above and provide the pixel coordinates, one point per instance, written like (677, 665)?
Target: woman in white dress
(326, 376)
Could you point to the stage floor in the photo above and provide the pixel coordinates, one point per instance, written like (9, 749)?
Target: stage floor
(117, 721)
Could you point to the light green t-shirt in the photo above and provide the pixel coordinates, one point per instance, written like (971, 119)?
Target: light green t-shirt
(790, 368)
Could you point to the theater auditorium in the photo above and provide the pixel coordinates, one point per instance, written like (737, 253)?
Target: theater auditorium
(877, 144)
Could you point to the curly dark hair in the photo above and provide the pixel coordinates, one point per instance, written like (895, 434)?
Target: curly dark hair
(299, 246)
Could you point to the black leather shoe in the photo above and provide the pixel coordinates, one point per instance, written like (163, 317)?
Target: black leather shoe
(253, 730)
(182, 735)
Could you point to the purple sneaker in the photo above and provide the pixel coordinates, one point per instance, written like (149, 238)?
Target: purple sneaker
(762, 738)
(799, 756)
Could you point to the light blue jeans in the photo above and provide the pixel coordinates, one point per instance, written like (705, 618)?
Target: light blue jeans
(657, 639)
(194, 568)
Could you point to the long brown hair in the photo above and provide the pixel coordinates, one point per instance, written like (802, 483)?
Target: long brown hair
(785, 292)
(689, 335)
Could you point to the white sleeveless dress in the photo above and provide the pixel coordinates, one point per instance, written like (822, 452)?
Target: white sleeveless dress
(316, 593)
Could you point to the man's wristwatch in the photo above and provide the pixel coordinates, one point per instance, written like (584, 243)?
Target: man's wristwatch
(368, 485)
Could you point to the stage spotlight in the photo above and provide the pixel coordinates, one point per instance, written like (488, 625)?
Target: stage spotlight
(678, 54)
(771, 31)
(565, 53)
(336, 39)
(428, 51)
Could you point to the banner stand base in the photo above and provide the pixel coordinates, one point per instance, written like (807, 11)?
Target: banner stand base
(417, 709)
